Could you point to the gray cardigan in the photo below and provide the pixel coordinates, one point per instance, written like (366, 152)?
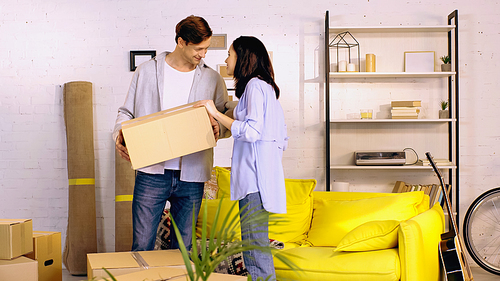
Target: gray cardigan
(145, 95)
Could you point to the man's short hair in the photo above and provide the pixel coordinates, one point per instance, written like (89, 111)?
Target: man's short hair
(193, 29)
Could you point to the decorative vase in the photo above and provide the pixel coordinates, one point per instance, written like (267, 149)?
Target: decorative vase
(446, 67)
(444, 114)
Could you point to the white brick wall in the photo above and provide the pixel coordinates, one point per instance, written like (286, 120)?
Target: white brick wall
(45, 44)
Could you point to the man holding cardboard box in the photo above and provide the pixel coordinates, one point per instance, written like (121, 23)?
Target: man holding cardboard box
(166, 81)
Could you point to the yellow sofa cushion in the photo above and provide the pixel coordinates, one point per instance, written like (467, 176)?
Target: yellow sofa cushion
(223, 182)
(226, 210)
(289, 227)
(322, 263)
(419, 238)
(294, 225)
(333, 219)
(373, 235)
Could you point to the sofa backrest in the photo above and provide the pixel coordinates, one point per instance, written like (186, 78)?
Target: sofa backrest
(290, 227)
(337, 213)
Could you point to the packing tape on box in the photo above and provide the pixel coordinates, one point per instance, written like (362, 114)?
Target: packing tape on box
(81, 181)
(123, 198)
(140, 260)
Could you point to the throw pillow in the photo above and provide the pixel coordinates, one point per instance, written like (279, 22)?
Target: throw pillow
(373, 235)
(333, 219)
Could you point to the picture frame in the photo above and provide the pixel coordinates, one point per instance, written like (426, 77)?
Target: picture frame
(420, 61)
(138, 57)
(218, 42)
(222, 69)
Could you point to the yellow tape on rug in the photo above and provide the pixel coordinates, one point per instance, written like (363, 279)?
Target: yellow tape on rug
(123, 198)
(81, 181)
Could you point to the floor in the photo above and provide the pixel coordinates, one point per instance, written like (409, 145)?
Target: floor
(478, 273)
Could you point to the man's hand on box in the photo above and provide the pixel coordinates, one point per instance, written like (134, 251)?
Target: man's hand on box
(120, 147)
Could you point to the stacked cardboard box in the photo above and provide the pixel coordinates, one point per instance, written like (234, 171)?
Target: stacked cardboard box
(20, 268)
(29, 255)
(129, 262)
(47, 253)
(16, 239)
(164, 273)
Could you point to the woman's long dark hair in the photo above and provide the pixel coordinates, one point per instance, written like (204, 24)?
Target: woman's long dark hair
(252, 60)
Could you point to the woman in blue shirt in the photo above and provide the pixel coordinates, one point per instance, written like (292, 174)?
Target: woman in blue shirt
(259, 133)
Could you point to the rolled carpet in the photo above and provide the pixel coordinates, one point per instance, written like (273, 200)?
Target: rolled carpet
(124, 190)
(81, 236)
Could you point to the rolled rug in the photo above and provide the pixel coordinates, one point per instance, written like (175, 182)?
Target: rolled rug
(124, 190)
(81, 237)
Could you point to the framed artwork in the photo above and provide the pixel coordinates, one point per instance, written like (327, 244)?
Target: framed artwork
(422, 61)
(138, 57)
(222, 69)
(218, 42)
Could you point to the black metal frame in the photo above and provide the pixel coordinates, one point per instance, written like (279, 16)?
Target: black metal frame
(342, 43)
(453, 20)
(327, 99)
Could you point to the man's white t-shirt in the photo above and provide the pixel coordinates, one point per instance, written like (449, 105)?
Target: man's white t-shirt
(176, 89)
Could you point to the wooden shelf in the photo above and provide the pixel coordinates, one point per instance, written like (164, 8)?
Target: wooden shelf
(405, 167)
(340, 75)
(399, 28)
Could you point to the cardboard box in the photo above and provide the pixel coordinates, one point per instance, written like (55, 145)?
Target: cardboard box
(21, 268)
(16, 237)
(47, 252)
(167, 134)
(164, 273)
(130, 262)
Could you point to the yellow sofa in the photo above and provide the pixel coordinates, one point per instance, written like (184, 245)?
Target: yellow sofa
(352, 235)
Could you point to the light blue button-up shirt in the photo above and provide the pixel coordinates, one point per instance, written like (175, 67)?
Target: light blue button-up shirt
(260, 137)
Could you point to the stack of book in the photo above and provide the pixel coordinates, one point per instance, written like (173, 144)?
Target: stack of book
(405, 109)
(434, 191)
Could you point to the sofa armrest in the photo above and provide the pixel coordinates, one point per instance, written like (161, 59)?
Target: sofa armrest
(419, 239)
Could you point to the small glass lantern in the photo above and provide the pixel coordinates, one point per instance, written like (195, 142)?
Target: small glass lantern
(345, 40)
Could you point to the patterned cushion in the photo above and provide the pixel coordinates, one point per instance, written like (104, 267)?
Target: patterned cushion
(211, 187)
(163, 239)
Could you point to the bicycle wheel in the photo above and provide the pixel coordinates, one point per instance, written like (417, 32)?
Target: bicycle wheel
(481, 230)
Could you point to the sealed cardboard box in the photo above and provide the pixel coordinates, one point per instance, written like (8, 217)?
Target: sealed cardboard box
(17, 269)
(167, 273)
(47, 252)
(129, 262)
(167, 134)
(16, 237)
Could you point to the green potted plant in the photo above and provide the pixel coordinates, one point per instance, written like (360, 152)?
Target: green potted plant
(444, 113)
(446, 66)
(226, 244)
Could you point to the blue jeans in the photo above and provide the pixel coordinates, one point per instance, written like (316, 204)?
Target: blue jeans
(258, 263)
(151, 193)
